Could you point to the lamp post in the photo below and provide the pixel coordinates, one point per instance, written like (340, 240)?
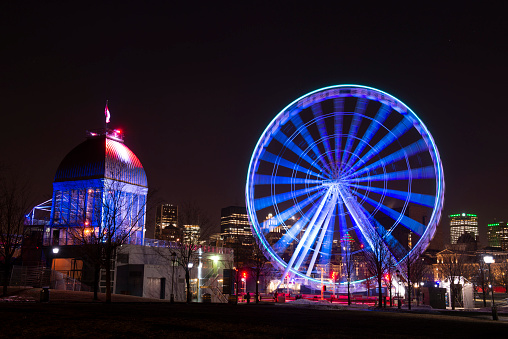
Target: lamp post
(488, 259)
(173, 259)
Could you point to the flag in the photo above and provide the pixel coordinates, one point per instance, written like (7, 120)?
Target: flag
(106, 112)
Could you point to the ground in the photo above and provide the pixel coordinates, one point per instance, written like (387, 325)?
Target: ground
(73, 316)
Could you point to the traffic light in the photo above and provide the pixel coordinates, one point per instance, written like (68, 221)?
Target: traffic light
(387, 277)
(244, 275)
(323, 288)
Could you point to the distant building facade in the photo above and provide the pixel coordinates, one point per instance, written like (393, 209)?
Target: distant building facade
(166, 216)
(461, 224)
(498, 235)
(234, 224)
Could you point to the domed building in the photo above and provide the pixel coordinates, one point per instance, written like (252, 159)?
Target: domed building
(99, 178)
(99, 195)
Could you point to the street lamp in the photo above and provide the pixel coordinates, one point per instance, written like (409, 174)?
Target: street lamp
(488, 259)
(173, 259)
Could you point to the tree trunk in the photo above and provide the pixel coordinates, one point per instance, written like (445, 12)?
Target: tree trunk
(7, 274)
(187, 281)
(390, 293)
(96, 275)
(348, 292)
(380, 292)
(108, 276)
(6, 277)
(484, 297)
(452, 295)
(418, 296)
(409, 295)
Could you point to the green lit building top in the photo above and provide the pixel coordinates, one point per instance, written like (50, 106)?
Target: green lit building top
(463, 223)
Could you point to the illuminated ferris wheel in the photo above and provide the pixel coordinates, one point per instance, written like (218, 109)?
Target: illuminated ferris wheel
(343, 163)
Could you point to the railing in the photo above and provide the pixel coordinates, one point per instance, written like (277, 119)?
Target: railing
(34, 276)
(61, 281)
(172, 244)
(144, 242)
(212, 285)
(39, 276)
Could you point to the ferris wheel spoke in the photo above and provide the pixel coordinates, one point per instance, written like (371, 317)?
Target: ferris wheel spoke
(415, 198)
(374, 126)
(405, 221)
(337, 127)
(318, 114)
(263, 179)
(360, 219)
(353, 129)
(315, 230)
(281, 245)
(323, 232)
(310, 229)
(413, 149)
(370, 230)
(269, 225)
(414, 173)
(326, 249)
(296, 149)
(387, 140)
(394, 245)
(264, 202)
(272, 158)
(300, 126)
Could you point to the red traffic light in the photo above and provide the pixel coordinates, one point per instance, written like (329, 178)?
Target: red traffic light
(244, 275)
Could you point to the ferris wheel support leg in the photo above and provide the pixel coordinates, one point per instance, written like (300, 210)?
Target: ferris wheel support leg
(307, 233)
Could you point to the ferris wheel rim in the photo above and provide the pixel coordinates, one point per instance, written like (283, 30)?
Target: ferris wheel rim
(279, 120)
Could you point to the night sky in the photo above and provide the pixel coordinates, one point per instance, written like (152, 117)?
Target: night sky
(194, 85)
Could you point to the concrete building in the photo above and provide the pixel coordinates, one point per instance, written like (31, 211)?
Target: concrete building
(148, 271)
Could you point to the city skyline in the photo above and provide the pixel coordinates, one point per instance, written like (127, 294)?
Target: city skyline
(193, 88)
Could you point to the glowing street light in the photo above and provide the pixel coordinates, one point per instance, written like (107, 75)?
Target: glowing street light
(488, 259)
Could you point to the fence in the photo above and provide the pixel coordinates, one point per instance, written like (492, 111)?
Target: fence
(39, 276)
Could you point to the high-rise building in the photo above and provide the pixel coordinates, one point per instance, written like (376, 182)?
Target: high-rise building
(461, 224)
(191, 233)
(166, 216)
(498, 235)
(234, 224)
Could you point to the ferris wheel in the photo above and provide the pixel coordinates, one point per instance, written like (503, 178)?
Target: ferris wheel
(344, 163)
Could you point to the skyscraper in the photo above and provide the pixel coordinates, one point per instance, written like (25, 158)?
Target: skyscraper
(461, 224)
(498, 235)
(234, 224)
(166, 215)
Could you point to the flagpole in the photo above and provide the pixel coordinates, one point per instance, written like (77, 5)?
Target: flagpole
(106, 118)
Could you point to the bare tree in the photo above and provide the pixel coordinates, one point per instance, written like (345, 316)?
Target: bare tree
(348, 266)
(501, 273)
(389, 279)
(478, 276)
(376, 259)
(15, 202)
(259, 266)
(413, 268)
(196, 227)
(116, 218)
(454, 265)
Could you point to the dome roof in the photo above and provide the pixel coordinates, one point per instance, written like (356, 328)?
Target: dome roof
(101, 157)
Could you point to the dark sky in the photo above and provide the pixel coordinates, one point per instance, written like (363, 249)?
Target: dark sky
(194, 85)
